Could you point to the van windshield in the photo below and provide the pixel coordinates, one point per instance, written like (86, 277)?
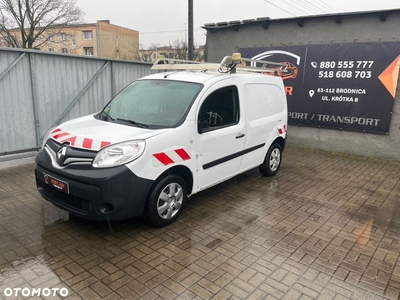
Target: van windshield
(152, 103)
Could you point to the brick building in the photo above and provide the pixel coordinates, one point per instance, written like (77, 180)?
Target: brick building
(101, 39)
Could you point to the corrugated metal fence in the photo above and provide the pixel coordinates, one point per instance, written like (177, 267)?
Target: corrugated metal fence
(39, 90)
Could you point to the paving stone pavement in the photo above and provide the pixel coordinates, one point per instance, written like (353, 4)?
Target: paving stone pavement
(326, 227)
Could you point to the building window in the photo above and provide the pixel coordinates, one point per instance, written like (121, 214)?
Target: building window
(154, 56)
(73, 42)
(64, 50)
(50, 37)
(51, 49)
(63, 36)
(117, 40)
(117, 54)
(87, 35)
(88, 51)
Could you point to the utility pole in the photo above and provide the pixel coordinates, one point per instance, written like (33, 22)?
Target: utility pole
(185, 33)
(191, 44)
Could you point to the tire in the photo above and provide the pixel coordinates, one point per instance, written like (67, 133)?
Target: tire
(272, 161)
(166, 201)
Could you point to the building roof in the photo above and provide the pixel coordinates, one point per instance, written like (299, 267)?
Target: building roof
(78, 25)
(264, 21)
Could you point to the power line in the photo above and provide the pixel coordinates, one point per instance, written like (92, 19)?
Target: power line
(309, 7)
(166, 36)
(280, 8)
(315, 8)
(298, 8)
(334, 9)
(318, 5)
(181, 30)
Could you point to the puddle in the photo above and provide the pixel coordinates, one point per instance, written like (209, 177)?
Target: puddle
(24, 272)
(249, 219)
(370, 219)
(214, 243)
(52, 214)
(31, 277)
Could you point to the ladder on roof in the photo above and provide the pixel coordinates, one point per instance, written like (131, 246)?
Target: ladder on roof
(229, 64)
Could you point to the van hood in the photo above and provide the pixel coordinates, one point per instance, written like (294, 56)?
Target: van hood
(92, 134)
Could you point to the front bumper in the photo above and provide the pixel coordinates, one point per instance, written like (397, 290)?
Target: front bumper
(95, 194)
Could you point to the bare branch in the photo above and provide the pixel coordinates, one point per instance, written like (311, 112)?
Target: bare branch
(24, 23)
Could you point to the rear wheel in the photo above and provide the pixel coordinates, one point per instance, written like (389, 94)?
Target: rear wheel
(166, 201)
(272, 161)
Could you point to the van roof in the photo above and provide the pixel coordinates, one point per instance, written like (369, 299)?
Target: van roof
(203, 77)
(189, 76)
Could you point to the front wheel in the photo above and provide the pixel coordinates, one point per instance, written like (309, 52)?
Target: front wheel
(272, 161)
(166, 201)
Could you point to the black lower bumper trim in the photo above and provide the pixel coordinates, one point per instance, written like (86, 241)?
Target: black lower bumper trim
(91, 190)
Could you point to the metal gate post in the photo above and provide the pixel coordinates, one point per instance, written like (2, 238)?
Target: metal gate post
(34, 98)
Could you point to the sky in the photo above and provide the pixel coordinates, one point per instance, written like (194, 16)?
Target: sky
(163, 22)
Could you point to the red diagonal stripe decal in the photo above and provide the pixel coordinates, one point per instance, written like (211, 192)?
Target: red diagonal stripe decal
(71, 140)
(87, 143)
(183, 154)
(163, 158)
(60, 135)
(104, 144)
(56, 130)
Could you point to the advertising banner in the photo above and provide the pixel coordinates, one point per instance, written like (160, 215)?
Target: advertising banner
(338, 86)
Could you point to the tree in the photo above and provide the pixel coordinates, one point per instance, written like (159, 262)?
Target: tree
(146, 54)
(32, 23)
(181, 50)
(134, 52)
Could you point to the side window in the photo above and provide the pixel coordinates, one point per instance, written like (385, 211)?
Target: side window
(219, 110)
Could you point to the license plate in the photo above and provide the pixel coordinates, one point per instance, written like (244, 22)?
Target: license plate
(56, 183)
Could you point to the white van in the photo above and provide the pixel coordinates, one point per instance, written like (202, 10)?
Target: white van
(165, 137)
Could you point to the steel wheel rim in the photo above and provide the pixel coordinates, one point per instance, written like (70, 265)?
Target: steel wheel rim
(274, 159)
(170, 201)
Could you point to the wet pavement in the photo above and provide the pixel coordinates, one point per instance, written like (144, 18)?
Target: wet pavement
(326, 227)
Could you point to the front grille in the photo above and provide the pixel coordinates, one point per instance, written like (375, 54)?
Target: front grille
(69, 201)
(72, 155)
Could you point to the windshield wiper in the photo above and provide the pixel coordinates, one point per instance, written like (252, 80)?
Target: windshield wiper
(108, 117)
(134, 123)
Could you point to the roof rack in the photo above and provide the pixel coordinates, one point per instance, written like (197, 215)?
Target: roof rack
(229, 64)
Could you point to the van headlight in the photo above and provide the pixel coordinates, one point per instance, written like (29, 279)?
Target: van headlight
(119, 154)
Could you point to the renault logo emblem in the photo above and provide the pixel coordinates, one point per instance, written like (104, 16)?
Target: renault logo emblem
(61, 155)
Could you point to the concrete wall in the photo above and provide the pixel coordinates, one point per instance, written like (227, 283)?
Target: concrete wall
(225, 39)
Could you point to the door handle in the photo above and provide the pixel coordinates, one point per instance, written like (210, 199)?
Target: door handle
(240, 135)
